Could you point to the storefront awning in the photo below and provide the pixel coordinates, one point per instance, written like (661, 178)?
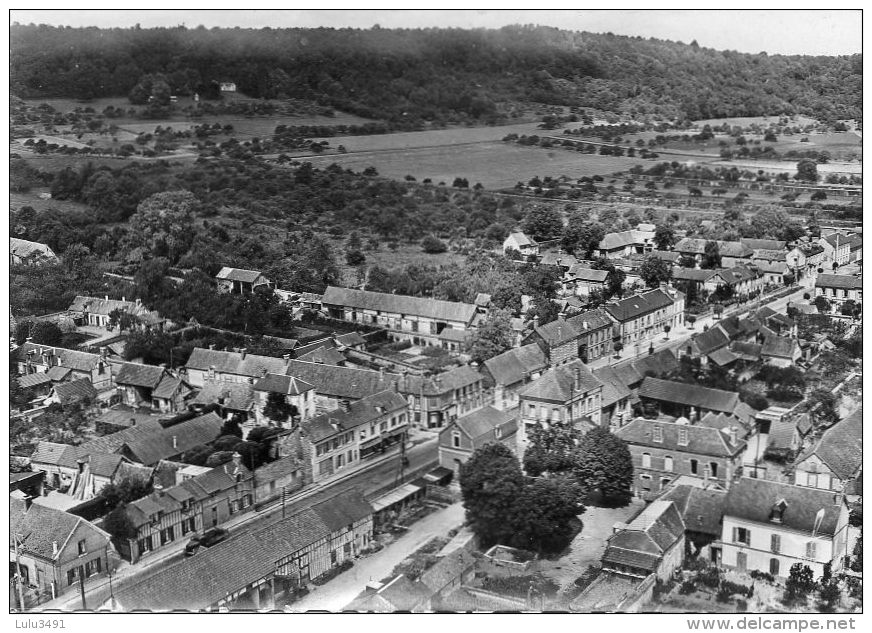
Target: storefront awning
(394, 496)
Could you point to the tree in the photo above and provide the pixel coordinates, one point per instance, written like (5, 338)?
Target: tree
(822, 304)
(543, 223)
(125, 491)
(163, 224)
(664, 237)
(432, 244)
(806, 170)
(552, 450)
(604, 465)
(818, 195)
(118, 524)
(491, 482)
(711, 257)
(278, 409)
(230, 427)
(355, 257)
(582, 237)
(824, 406)
(655, 271)
(849, 308)
(800, 583)
(44, 332)
(545, 515)
(493, 337)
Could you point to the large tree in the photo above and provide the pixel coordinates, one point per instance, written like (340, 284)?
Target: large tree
(551, 450)
(491, 482)
(604, 465)
(545, 514)
(582, 236)
(278, 409)
(664, 237)
(654, 270)
(163, 224)
(494, 336)
(711, 257)
(806, 170)
(543, 223)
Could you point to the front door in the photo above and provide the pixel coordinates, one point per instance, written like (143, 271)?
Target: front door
(742, 561)
(774, 566)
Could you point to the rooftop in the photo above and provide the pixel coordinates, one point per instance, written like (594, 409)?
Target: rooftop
(238, 274)
(400, 304)
(638, 305)
(562, 383)
(361, 412)
(700, 439)
(840, 447)
(688, 394)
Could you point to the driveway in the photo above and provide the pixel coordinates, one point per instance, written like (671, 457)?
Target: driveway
(342, 590)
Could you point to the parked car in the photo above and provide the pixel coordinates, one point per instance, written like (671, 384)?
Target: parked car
(210, 537)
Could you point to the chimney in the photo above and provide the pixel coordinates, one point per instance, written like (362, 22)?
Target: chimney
(54, 549)
(243, 351)
(212, 346)
(734, 438)
(132, 421)
(237, 460)
(381, 373)
(585, 325)
(158, 488)
(345, 406)
(107, 297)
(211, 372)
(138, 302)
(287, 359)
(396, 385)
(333, 423)
(123, 298)
(175, 442)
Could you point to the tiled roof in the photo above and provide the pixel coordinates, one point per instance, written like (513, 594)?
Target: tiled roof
(340, 382)
(202, 580)
(72, 359)
(736, 275)
(621, 239)
(521, 239)
(638, 305)
(595, 319)
(628, 374)
(250, 365)
(447, 569)
(558, 259)
(778, 268)
(139, 375)
(516, 364)
(238, 274)
(479, 425)
(34, 380)
(688, 394)
(701, 440)
(753, 500)
(54, 454)
(722, 357)
(277, 469)
(150, 449)
(657, 364)
(167, 387)
(69, 391)
(401, 304)
(104, 465)
(647, 538)
(559, 384)
(556, 333)
(360, 412)
(710, 340)
(291, 534)
(847, 282)
(702, 509)
(775, 245)
(667, 256)
(400, 594)
(769, 255)
(781, 433)
(581, 273)
(343, 510)
(40, 526)
(122, 416)
(746, 351)
(286, 385)
(841, 446)
(238, 396)
(323, 355)
(614, 390)
(726, 249)
(779, 347)
(698, 275)
(439, 384)
(26, 248)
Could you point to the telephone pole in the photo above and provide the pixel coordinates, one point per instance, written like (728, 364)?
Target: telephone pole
(20, 579)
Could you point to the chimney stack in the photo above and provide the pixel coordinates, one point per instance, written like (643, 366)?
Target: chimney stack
(158, 488)
(107, 297)
(104, 351)
(175, 442)
(396, 386)
(287, 359)
(345, 406)
(244, 351)
(138, 302)
(123, 298)
(132, 421)
(734, 435)
(55, 550)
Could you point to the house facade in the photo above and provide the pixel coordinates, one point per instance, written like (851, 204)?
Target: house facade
(839, 288)
(652, 543)
(640, 318)
(519, 241)
(835, 459)
(295, 392)
(240, 281)
(460, 439)
(769, 526)
(151, 387)
(437, 400)
(66, 364)
(622, 244)
(513, 369)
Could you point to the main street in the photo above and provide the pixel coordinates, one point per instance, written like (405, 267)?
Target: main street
(370, 480)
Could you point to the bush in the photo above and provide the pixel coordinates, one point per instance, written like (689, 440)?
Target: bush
(330, 574)
(723, 595)
(687, 587)
(710, 577)
(433, 245)
(735, 588)
(756, 574)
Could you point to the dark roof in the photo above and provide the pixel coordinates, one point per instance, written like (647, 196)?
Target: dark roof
(516, 364)
(250, 365)
(55, 454)
(340, 382)
(343, 510)
(174, 440)
(579, 272)
(556, 333)
(754, 244)
(202, 580)
(736, 274)
(238, 396)
(687, 394)
(238, 274)
(439, 384)
(701, 440)
(73, 359)
(291, 534)
(34, 380)
(401, 304)
(779, 347)
(278, 383)
(324, 355)
(698, 275)
(104, 465)
(753, 500)
(595, 319)
(701, 509)
(657, 364)
(559, 384)
(847, 282)
(360, 412)
(722, 357)
(647, 538)
(614, 390)
(746, 351)
(710, 340)
(638, 305)
(39, 526)
(771, 255)
(480, 425)
(628, 374)
(139, 375)
(841, 446)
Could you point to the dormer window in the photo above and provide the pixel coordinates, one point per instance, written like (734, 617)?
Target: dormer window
(776, 514)
(658, 433)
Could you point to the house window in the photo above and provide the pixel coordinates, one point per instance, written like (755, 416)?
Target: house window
(455, 440)
(167, 535)
(187, 526)
(362, 434)
(645, 481)
(667, 463)
(694, 466)
(664, 482)
(144, 545)
(812, 480)
(81, 547)
(713, 468)
(774, 566)
(93, 567)
(658, 433)
(775, 544)
(234, 506)
(682, 437)
(741, 535)
(71, 576)
(811, 550)
(646, 460)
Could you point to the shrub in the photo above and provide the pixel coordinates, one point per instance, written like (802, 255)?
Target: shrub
(687, 587)
(710, 577)
(723, 595)
(756, 574)
(432, 245)
(330, 574)
(735, 588)
(741, 605)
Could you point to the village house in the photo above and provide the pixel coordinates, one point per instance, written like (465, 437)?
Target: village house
(625, 243)
(240, 281)
(295, 392)
(235, 401)
(691, 401)
(64, 364)
(762, 244)
(580, 281)
(568, 394)
(768, 526)
(414, 319)
(97, 312)
(855, 248)
(29, 253)
(65, 393)
(460, 439)
(192, 505)
(171, 442)
(701, 507)
(437, 400)
(836, 459)
(663, 451)
(616, 398)
(652, 543)
(54, 549)
(399, 594)
(780, 351)
(356, 431)
(814, 256)
(773, 273)
(640, 318)
(148, 386)
(797, 260)
(513, 369)
(231, 366)
(695, 247)
(518, 241)
(562, 261)
(839, 288)
(595, 335)
(837, 250)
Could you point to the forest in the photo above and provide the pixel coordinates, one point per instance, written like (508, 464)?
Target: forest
(416, 77)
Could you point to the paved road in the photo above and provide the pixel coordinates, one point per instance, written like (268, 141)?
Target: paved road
(422, 456)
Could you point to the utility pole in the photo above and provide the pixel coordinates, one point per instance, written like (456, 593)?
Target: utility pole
(81, 573)
(20, 579)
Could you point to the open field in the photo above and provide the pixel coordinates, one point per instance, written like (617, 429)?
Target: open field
(32, 199)
(495, 165)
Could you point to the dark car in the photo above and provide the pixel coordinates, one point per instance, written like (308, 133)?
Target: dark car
(210, 537)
